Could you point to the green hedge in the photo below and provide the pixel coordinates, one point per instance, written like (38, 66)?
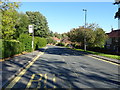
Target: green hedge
(11, 47)
(39, 42)
(26, 40)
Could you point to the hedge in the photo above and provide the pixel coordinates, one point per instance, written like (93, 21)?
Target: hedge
(11, 47)
(39, 42)
(26, 40)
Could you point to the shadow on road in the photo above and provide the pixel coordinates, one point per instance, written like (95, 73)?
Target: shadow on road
(63, 51)
(67, 78)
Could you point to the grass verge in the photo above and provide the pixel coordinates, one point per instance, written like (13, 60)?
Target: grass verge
(101, 54)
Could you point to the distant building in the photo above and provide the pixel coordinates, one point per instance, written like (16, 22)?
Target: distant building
(56, 39)
(113, 43)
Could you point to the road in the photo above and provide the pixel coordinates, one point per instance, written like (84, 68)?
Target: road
(60, 67)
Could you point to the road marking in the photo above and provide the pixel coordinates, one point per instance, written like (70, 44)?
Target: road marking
(30, 82)
(54, 80)
(17, 78)
(104, 60)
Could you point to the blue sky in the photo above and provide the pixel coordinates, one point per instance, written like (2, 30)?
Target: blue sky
(63, 16)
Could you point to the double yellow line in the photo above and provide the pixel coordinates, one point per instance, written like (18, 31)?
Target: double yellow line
(104, 60)
(18, 77)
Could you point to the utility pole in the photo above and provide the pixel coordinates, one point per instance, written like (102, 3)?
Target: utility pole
(85, 28)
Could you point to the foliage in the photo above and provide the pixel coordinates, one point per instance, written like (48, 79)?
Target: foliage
(40, 42)
(11, 47)
(94, 36)
(22, 25)
(117, 14)
(100, 37)
(51, 41)
(39, 21)
(9, 19)
(52, 34)
(26, 41)
(60, 44)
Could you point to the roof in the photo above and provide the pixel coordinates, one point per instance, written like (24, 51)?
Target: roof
(114, 33)
(55, 38)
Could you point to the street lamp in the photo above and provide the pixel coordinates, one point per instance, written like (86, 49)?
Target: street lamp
(85, 27)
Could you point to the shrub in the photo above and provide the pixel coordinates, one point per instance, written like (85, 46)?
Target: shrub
(11, 47)
(60, 44)
(51, 41)
(39, 42)
(26, 40)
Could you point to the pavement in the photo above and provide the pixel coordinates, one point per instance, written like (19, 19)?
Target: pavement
(11, 67)
(69, 68)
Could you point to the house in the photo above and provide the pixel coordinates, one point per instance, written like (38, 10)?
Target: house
(113, 42)
(56, 39)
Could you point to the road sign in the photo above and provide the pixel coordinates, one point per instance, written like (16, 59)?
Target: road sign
(30, 27)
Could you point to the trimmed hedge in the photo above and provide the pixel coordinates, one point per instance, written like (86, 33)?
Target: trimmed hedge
(11, 47)
(26, 40)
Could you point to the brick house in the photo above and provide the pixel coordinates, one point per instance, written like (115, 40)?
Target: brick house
(113, 42)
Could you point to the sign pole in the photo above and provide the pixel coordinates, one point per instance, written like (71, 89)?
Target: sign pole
(31, 30)
(33, 41)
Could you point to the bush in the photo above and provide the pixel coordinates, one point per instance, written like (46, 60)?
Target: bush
(60, 44)
(51, 41)
(39, 42)
(11, 47)
(26, 40)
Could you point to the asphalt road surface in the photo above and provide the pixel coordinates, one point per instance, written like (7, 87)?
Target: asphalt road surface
(60, 67)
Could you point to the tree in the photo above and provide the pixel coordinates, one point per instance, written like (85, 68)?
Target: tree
(95, 37)
(9, 19)
(117, 14)
(39, 21)
(57, 35)
(100, 37)
(22, 25)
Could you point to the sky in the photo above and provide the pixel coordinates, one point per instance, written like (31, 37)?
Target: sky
(63, 16)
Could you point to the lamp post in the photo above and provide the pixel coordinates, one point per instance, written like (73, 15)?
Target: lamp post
(85, 27)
